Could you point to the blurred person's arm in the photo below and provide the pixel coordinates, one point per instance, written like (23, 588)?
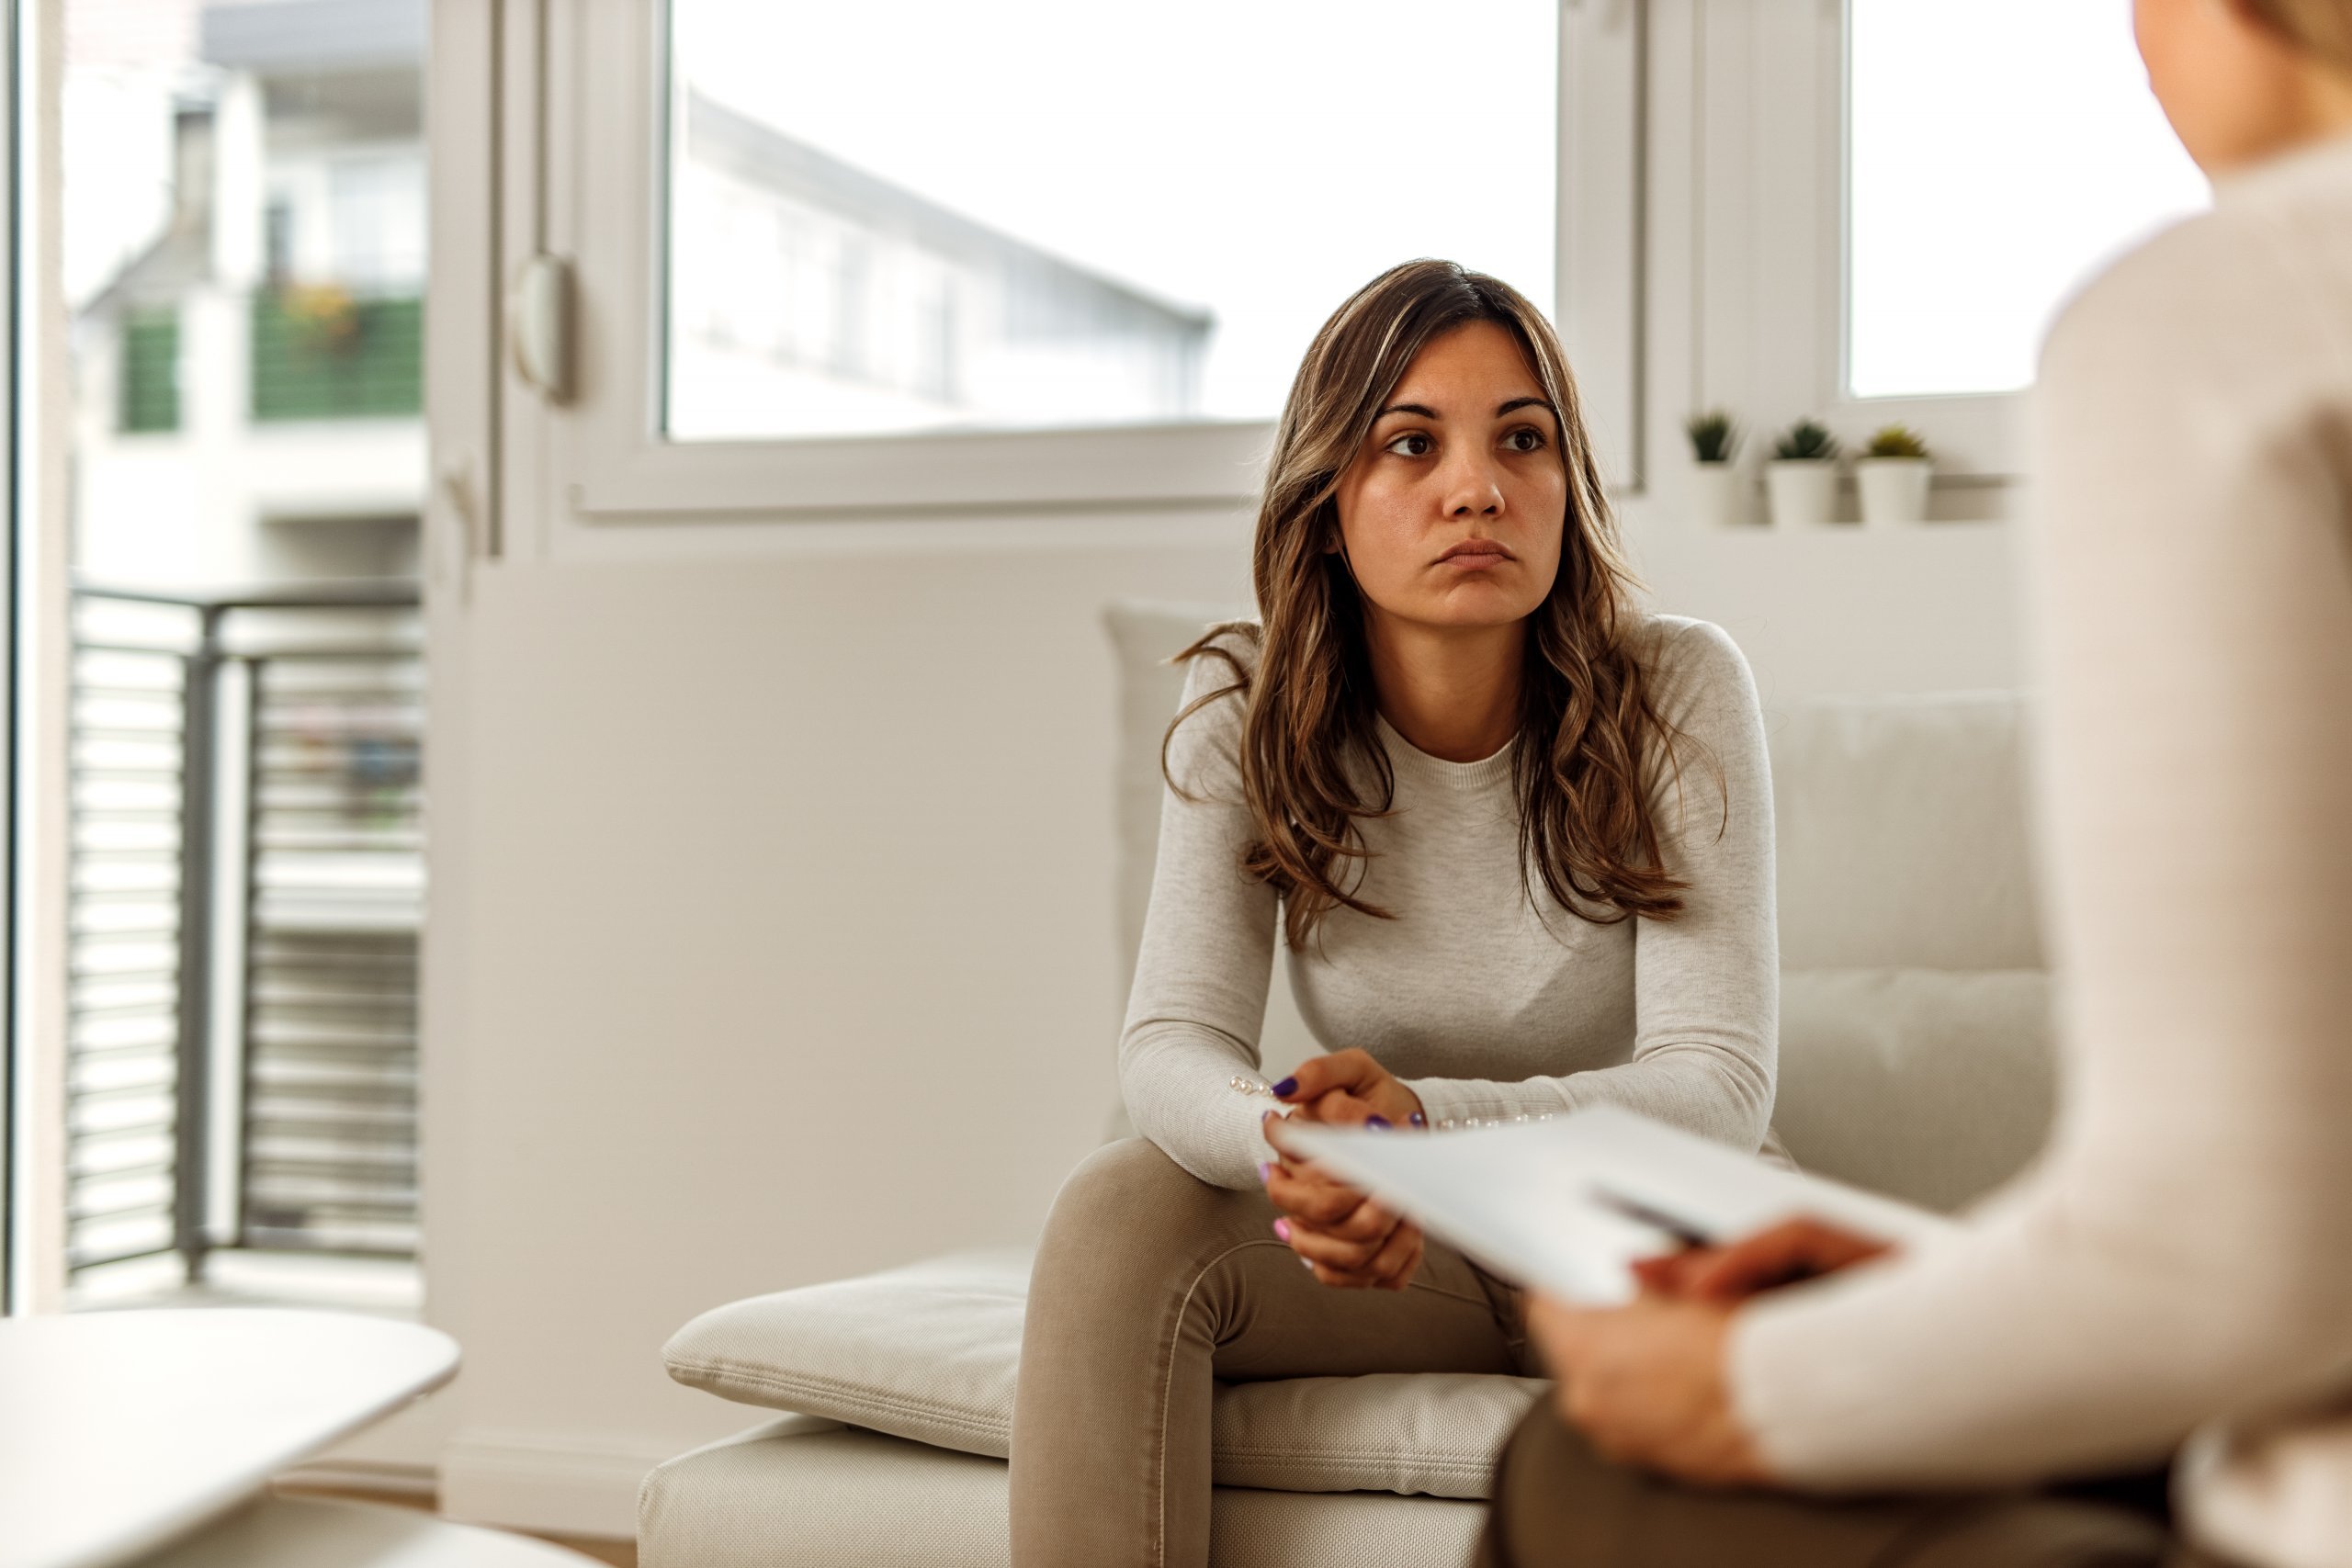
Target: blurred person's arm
(2185, 1249)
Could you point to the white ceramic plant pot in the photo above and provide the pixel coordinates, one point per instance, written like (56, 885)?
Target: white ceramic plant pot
(1894, 490)
(1717, 497)
(1803, 489)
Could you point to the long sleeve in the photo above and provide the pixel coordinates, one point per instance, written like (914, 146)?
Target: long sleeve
(1206, 958)
(2184, 1250)
(1706, 987)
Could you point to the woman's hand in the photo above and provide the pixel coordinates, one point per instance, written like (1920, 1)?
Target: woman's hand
(1647, 1384)
(1350, 1088)
(1344, 1237)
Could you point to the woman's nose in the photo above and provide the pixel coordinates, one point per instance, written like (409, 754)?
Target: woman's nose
(1472, 489)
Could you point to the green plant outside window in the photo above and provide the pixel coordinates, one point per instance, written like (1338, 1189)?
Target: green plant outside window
(319, 354)
(150, 392)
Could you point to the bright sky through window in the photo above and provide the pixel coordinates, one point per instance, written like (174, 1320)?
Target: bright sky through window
(935, 214)
(2001, 153)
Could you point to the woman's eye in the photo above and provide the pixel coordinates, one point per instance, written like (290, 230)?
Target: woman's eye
(1526, 438)
(1412, 444)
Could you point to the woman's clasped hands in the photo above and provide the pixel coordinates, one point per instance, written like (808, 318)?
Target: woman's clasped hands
(1343, 1237)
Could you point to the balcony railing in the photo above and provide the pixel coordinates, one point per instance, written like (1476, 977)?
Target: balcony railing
(320, 353)
(247, 879)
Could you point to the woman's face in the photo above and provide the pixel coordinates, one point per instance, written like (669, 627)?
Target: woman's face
(1453, 513)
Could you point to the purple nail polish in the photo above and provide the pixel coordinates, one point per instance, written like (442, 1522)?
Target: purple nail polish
(1417, 1120)
(1281, 1229)
(1380, 1122)
(1265, 1170)
(1285, 1088)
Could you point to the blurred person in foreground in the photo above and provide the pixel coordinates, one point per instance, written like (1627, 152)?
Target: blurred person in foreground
(2169, 1293)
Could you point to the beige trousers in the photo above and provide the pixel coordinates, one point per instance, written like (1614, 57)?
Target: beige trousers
(1558, 1505)
(1150, 1286)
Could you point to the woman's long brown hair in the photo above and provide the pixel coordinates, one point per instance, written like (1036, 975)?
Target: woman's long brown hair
(2320, 28)
(1590, 741)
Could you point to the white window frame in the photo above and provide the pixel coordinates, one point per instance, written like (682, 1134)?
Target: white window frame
(580, 179)
(1771, 333)
(1702, 263)
(1742, 206)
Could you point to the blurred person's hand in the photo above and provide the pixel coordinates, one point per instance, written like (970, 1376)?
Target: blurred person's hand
(1786, 1254)
(1648, 1382)
(1345, 1238)
(1646, 1385)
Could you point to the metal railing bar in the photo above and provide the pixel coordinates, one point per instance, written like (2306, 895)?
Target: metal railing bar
(281, 1239)
(357, 1124)
(74, 1176)
(135, 649)
(141, 1130)
(326, 594)
(335, 718)
(159, 1089)
(97, 1261)
(81, 1216)
(351, 653)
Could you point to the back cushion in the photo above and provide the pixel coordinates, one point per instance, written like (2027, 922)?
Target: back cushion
(1903, 835)
(1924, 1084)
(1144, 636)
(1900, 821)
(1902, 852)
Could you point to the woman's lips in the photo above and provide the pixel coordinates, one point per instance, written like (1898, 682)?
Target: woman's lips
(1474, 555)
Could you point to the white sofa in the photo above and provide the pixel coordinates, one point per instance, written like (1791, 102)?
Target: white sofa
(1914, 1059)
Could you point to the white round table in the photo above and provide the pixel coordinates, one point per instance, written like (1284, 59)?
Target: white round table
(279, 1532)
(122, 1432)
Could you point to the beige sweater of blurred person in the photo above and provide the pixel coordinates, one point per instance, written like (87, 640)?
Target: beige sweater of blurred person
(2181, 1259)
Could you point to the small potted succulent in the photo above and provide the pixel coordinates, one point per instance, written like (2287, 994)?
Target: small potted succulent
(1803, 475)
(1715, 495)
(1893, 474)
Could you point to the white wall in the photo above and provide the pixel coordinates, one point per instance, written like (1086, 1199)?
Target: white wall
(787, 924)
(773, 908)
(1842, 610)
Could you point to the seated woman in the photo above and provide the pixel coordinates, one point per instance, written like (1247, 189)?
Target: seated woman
(1518, 838)
(2181, 1261)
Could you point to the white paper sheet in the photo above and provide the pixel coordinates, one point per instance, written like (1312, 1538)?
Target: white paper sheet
(1553, 1205)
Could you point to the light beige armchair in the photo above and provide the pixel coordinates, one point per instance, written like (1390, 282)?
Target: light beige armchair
(1914, 1059)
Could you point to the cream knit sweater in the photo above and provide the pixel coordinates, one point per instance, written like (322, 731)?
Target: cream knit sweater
(1487, 1006)
(2183, 1252)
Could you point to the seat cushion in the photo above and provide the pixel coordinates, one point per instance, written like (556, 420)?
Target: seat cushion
(1925, 1085)
(929, 1352)
(799, 1491)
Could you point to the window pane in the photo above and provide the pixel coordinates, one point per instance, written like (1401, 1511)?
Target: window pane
(2001, 152)
(243, 251)
(1059, 212)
